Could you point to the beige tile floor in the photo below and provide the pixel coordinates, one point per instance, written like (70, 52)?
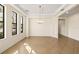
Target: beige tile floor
(44, 45)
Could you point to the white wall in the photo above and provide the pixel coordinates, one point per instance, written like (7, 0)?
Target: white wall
(27, 26)
(10, 40)
(73, 26)
(54, 26)
(47, 27)
(70, 27)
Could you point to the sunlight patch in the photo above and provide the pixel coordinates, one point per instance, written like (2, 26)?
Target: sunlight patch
(28, 48)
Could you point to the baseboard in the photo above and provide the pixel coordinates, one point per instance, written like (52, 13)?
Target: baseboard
(44, 36)
(39, 36)
(69, 37)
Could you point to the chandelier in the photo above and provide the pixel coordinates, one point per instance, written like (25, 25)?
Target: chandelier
(41, 10)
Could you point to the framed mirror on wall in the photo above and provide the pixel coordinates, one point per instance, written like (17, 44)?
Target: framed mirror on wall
(1, 21)
(21, 24)
(14, 23)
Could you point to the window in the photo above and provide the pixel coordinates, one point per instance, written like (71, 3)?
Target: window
(21, 24)
(1, 21)
(14, 23)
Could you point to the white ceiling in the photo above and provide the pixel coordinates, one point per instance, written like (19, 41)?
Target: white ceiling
(33, 9)
(70, 12)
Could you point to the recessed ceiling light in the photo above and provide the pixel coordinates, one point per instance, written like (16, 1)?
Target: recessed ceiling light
(40, 6)
(67, 12)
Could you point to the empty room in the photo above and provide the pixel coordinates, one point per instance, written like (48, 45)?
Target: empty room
(39, 28)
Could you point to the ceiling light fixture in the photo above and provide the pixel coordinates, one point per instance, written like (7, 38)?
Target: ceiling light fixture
(40, 20)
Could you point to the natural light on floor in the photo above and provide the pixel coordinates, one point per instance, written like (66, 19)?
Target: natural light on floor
(27, 48)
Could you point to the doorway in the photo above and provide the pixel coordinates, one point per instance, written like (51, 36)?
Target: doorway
(62, 27)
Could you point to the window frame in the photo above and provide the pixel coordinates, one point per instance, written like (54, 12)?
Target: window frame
(22, 24)
(14, 23)
(3, 21)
